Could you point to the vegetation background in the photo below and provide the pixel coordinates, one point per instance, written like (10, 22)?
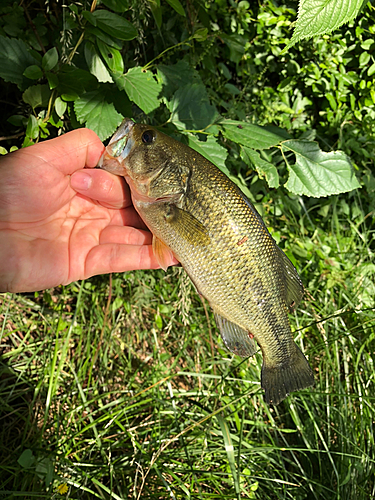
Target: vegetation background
(118, 386)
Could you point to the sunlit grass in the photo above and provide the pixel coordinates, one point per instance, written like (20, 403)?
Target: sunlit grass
(120, 388)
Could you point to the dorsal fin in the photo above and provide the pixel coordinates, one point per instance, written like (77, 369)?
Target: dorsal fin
(293, 285)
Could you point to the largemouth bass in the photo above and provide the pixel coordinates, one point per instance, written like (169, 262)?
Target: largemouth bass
(203, 218)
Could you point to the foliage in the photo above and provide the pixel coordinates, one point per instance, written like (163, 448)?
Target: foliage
(321, 17)
(93, 88)
(120, 388)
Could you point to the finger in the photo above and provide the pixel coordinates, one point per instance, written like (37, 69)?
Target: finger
(125, 236)
(109, 190)
(113, 258)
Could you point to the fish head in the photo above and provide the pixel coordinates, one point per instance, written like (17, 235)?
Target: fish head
(154, 165)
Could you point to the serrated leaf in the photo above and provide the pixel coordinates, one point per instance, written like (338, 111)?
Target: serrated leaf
(263, 167)
(211, 150)
(141, 88)
(50, 59)
(95, 64)
(316, 173)
(117, 5)
(60, 107)
(33, 72)
(37, 96)
(114, 25)
(176, 5)
(98, 114)
(14, 59)
(317, 17)
(176, 76)
(111, 56)
(250, 135)
(191, 109)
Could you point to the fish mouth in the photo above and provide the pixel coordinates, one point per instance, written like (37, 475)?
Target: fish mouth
(118, 149)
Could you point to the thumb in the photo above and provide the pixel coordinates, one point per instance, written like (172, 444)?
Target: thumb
(109, 190)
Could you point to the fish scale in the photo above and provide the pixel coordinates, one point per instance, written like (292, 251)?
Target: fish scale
(202, 217)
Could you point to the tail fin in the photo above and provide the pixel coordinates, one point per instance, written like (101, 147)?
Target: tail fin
(280, 380)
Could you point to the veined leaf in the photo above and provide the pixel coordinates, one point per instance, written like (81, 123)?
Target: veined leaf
(316, 173)
(98, 114)
(50, 59)
(317, 17)
(141, 88)
(247, 134)
(111, 56)
(191, 109)
(211, 150)
(114, 25)
(263, 167)
(176, 76)
(33, 72)
(37, 96)
(95, 64)
(14, 59)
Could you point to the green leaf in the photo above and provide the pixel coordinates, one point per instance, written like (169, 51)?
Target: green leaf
(75, 81)
(201, 34)
(156, 11)
(141, 88)
(14, 59)
(211, 150)
(316, 173)
(317, 17)
(27, 459)
(117, 5)
(176, 76)
(60, 107)
(111, 56)
(263, 167)
(50, 59)
(37, 96)
(95, 64)
(98, 114)
(176, 5)
(33, 72)
(53, 80)
(250, 135)
(32, 129)
(191, 109)
(114, 25)
(98, 33)
(229, 448)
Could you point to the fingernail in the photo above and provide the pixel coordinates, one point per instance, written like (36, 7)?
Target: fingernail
(80, 181)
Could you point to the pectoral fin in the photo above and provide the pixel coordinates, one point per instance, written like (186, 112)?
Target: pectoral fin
(235, 338)
(187, 226)
(162, 253)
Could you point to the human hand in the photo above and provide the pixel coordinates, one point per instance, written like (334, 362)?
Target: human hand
(60, 223)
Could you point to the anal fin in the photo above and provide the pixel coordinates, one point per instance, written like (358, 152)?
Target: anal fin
(235, 338)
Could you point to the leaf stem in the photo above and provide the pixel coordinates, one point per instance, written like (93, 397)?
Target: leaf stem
(185, 42)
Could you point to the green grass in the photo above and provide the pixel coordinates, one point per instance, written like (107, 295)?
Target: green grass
(120, 387)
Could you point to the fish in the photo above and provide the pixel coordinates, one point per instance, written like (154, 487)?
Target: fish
(198, 215)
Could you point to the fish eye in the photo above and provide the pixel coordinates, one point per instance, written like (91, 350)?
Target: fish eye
(148, 137)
